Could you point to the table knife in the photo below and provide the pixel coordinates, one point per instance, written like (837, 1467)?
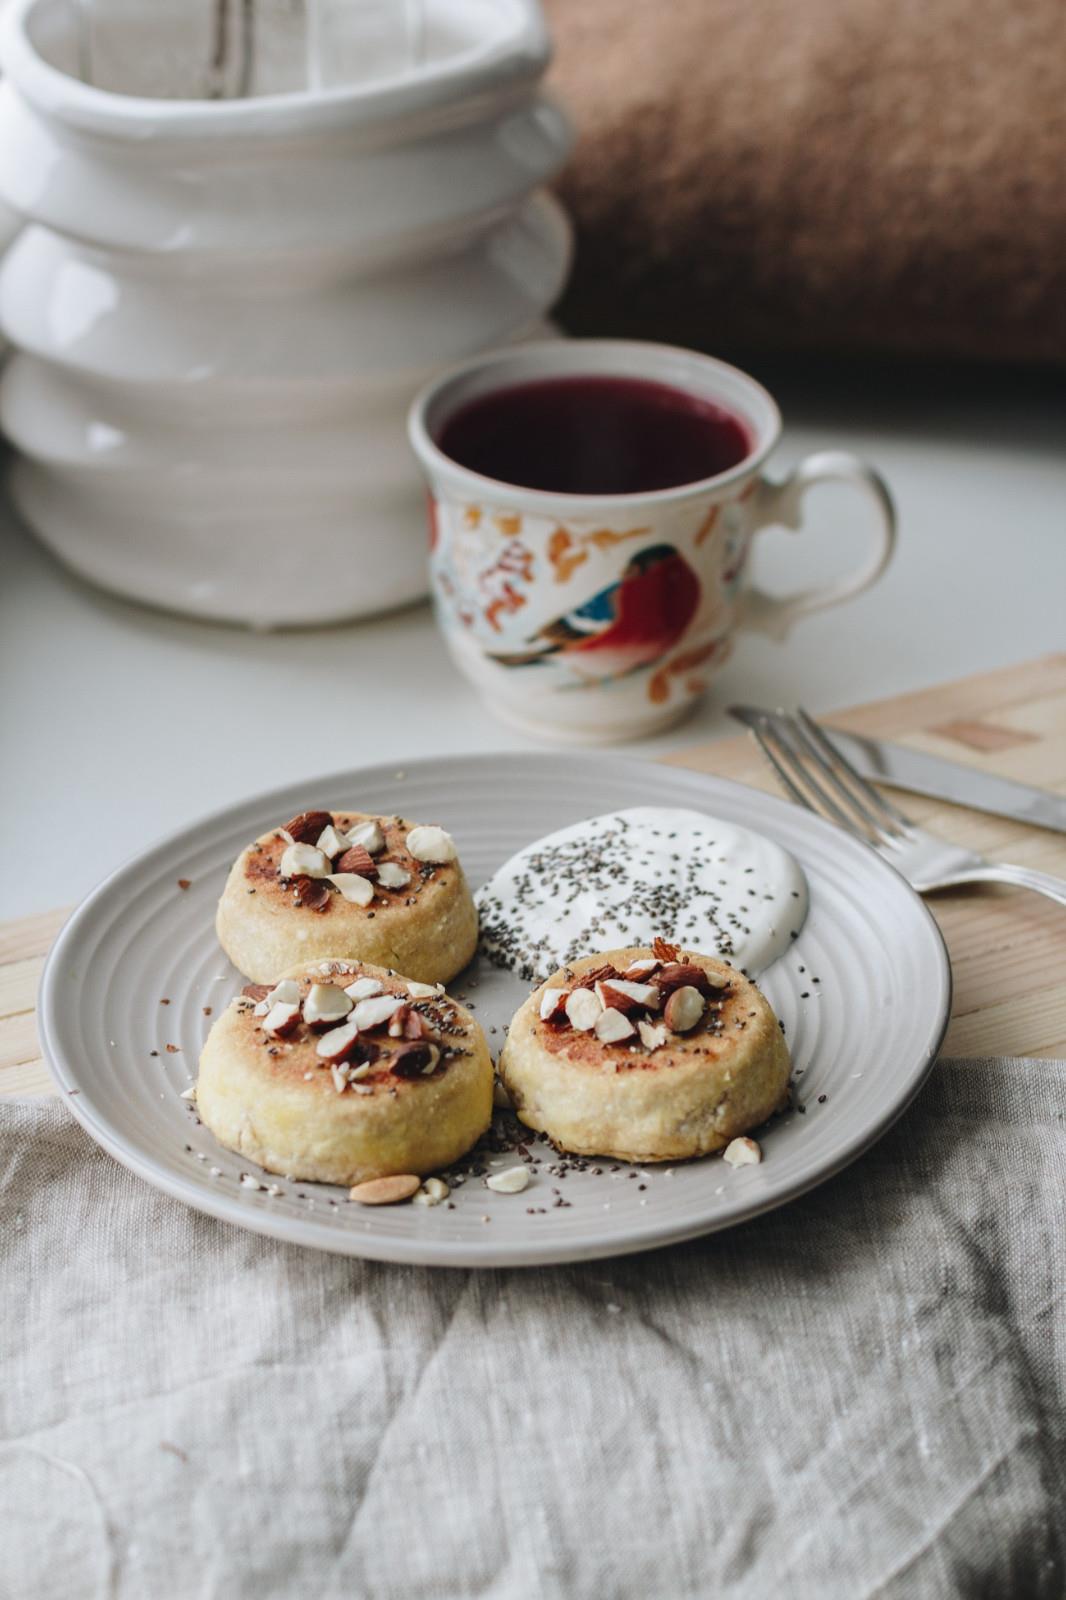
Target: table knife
(921, 773)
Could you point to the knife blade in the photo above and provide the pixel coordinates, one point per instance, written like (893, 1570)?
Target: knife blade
(922, 773)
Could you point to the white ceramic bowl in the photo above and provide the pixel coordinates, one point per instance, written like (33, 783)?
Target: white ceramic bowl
(222, 308)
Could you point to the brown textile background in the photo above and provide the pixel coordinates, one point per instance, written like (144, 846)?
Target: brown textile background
(833, 174)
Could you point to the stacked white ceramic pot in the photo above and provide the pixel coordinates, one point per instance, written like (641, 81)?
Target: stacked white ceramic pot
(222, 308)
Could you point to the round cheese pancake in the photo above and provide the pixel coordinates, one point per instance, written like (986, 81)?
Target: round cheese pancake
(645, 1055)
(344, 1072)
(346, 885)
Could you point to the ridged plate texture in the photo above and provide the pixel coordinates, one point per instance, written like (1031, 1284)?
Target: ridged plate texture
(864, 993)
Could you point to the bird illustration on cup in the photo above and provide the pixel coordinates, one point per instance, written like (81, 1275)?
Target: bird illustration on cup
(630, 623)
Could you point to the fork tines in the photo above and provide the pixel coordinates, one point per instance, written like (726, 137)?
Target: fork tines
(817, 776)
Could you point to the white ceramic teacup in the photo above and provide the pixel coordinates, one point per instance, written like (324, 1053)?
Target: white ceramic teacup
(531, 586)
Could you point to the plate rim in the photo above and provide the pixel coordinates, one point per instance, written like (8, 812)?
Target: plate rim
(415, 1251)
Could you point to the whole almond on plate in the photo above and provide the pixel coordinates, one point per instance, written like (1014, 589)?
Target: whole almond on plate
(386, 1191)
(306, 827)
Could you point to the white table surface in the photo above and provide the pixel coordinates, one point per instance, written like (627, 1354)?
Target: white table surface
(118, 724)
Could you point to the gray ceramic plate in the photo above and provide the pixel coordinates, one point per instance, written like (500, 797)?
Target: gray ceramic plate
(863, 1036)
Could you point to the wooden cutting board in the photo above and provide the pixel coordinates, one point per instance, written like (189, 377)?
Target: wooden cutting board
(1008, 947)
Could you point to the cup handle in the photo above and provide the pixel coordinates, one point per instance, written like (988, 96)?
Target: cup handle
(779, 504)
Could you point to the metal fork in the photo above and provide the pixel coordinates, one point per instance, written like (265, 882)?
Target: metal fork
(817, 776)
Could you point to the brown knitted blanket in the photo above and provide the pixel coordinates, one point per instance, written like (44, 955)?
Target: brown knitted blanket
(830, 174)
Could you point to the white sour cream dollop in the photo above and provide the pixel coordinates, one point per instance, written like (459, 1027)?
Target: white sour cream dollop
(626, 877)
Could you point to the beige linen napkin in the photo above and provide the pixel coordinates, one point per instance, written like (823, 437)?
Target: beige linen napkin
(858, 1395)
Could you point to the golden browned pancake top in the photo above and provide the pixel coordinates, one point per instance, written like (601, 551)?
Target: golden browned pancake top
(291, 1059)
(263, 857)
(727, 1014)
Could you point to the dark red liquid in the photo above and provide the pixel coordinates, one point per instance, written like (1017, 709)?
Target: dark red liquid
(595, 436)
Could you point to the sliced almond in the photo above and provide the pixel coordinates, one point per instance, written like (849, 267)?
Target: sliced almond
(338, 1043)
(683, 1010)
(613, 1026)
(412, 1024)
(392, 876)
(742, 1153)
(385, 1191)
(424, 991)
(287, 993)
(681, 974)
(326, 1003)
(281, 1021)
(652, 1034)
(261, 1009)
(553, 1004)
(303, 861)
(363, 989)
(314, 893)
(398, 1021)
(330, 842)
(513, 1181)
(416, 1026)
(368, 834)
(306, 827)
(430, 843)
(415, 1060)
(255, 991)
(356, 858)
(594, 975)
(640, 971)
(626, 996)
(373, 1012)
(357, 890)
(583, 1006)
(339, 1074)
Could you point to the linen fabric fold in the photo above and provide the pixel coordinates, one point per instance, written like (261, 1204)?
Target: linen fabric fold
(859, 1394)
